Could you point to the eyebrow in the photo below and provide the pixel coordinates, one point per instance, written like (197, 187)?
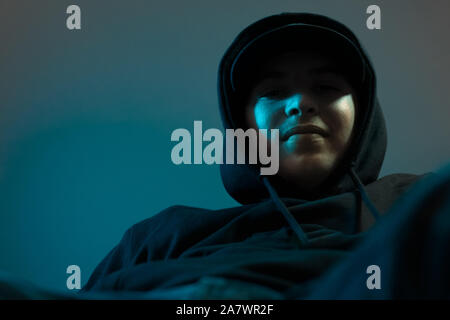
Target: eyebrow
(273, 74)
(270, 75)
(328, 69)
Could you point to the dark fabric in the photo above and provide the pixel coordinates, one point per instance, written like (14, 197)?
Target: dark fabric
(251, 243)
(410, 245)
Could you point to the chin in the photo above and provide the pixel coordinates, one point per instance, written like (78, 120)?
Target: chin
(310, 169)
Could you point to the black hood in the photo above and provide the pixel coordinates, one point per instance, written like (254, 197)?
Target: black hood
(366, 151)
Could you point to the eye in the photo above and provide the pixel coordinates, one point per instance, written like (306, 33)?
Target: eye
(330, 90)
(274, 93)
(326, 88)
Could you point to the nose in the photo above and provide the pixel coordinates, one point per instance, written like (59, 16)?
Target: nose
(297, 104)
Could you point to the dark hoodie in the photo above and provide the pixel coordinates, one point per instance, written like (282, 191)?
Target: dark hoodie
(271, 240)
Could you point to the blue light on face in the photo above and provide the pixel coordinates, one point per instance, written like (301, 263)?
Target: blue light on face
(267, 108)
(292, 103)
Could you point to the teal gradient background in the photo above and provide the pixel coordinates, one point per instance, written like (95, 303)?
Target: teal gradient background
(86, 116)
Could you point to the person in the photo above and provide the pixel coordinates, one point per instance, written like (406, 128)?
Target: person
(313, 229)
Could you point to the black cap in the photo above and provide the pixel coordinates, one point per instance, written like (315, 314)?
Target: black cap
(296, 37)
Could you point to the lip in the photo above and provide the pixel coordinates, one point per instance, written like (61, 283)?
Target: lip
(303, 129)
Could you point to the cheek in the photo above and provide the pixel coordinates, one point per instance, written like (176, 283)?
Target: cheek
(341, 119)
(263, 114)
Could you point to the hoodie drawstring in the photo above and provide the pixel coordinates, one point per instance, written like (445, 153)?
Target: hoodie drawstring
(301, 235)
(357, 182)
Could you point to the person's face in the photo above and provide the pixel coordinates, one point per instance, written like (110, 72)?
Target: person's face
(313, 105)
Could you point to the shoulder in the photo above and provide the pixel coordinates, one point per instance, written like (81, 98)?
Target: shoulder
(181, 219)
(173, 215)
(394, 185)
(397, 181)
(173, 230)
(386, 190)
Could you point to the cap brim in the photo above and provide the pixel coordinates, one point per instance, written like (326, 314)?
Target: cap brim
(292, 37)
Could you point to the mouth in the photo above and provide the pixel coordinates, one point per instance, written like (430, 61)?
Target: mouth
(303, 129)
